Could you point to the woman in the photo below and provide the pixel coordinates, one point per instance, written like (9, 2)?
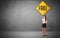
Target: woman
(44, 22)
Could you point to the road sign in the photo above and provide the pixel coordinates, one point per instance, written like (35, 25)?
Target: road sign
(42, 8)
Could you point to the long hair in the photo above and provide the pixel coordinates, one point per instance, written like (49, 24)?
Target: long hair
(45, 17)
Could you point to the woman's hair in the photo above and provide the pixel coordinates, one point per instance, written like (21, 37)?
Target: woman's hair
(45, 17)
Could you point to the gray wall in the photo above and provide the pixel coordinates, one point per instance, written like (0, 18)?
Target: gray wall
(21, 15)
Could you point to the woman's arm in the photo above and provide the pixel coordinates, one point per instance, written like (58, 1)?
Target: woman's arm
(46, 21)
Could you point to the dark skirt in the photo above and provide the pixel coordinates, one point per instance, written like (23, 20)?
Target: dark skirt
(43, 25)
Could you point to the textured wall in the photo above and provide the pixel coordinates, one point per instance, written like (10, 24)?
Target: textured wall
(22, 16)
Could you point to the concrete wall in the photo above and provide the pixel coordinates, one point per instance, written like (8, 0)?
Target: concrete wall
(21, 15)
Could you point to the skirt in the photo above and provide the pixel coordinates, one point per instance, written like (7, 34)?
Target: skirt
(43, 25)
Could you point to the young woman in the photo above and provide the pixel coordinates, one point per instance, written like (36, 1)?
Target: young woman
(44, 22)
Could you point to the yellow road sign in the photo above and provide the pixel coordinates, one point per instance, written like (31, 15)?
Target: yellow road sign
(42, 8)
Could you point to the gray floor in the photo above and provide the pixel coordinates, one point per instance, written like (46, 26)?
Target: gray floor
(30, 34)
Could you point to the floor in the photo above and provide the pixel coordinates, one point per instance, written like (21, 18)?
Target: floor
(30, 34)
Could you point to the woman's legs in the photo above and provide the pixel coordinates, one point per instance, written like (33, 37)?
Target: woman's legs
(43, 31)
